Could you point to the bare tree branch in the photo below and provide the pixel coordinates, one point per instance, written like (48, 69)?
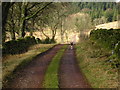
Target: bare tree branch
(35, 13)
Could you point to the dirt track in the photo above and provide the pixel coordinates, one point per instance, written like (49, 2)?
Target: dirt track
(70, 75)
(32, 76)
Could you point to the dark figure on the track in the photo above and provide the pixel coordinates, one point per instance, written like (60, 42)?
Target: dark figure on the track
(71, 45)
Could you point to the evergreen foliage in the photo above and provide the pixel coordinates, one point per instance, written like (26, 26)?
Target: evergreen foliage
(99, 9)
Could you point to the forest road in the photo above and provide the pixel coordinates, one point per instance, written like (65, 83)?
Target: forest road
(70, 75)
(33, 74)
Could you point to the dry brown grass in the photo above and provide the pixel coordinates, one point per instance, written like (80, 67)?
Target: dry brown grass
(114, 25)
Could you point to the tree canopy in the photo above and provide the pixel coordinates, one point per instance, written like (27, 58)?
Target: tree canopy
(21, 17)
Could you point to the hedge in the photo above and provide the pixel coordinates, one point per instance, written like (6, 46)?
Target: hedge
(109, 39)
(18, 46)
(48, 41)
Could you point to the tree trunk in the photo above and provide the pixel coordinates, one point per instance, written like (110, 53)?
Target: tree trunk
(53, 38)
(44, 33)
(62, 32)
(13, 26)
(22, 20)
(54, 30)
(31, 33)
(5, 11)
(22, 28)
(13, 34)
(53, 34)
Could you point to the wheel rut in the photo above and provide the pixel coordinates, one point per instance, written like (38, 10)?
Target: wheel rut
(32, 75)
(70, 75)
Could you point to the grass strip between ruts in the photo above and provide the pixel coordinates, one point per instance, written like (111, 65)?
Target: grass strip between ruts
(51, 76)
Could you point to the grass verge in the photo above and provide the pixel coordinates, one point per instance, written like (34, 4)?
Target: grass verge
(92, 59)
(51, 76)
(12, 63)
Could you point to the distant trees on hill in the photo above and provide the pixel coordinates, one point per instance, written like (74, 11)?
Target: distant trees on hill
(99, 9)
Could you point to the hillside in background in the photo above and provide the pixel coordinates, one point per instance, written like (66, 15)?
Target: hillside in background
(110, 25)
(109, 10)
